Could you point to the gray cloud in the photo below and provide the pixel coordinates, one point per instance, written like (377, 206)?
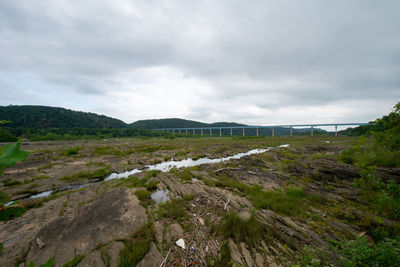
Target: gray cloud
(253, 62)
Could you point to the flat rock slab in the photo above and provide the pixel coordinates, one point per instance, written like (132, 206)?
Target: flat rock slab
(115, 214)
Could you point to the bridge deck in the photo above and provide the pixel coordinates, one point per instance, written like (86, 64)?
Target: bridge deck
(267, 126)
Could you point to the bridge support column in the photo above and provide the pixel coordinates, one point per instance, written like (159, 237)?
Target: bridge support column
(257, 131)
(243, 131)
(173, 131)
(193, 131)
(180, 131)
(273, 131)
(186, 131)
(220, 132)
(231, 132)
(335, 130)
(291, 131)
(210, 132)
(201, 130)
(312, 130)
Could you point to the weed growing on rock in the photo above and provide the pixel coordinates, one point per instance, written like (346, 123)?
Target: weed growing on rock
(75, 261)
(90, 175)
(249, 231)
(136, 246)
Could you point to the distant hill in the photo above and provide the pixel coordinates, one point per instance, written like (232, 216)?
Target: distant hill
(178, 123)
(54, 117)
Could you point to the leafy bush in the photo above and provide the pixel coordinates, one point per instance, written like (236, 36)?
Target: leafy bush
(361, 252)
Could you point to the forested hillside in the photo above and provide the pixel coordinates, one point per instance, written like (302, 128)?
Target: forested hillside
(178, 123)
(54, 117)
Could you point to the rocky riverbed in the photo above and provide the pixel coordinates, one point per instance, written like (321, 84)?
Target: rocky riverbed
(266, 209)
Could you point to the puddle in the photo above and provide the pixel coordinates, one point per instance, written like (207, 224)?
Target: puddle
(160, 196)
(164, 167)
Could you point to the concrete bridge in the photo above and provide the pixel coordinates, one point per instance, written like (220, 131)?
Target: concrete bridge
(202, 130)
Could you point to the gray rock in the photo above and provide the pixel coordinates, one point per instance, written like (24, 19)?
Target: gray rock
(116, 214)
(93, 259)
(174, 232)
(235, 252)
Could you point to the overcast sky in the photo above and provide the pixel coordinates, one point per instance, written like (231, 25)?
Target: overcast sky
(254, 62)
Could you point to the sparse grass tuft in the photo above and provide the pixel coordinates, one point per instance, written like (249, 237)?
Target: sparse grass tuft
(136, 246)
(96, 174)
(75, 261)
(175, 209)
(249, 231)
(71, 151)
(144, 197)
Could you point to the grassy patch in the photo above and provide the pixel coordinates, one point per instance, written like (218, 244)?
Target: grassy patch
(75, 261)
(9, 213)
(144, 197)
(290, 202)
(11, 182)
(249, 231)
(175, 209)
(136, 246)
(96, 174)
(71, 151)
(4, 198)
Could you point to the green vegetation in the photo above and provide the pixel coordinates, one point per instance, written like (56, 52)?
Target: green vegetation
(9, 213)
(175, 209)
(10, 155)
(144, 197)
(1, 248)
(71, 151)
(361, 252)
(224, 258)
(11, 182)
(250, 231)
(75, 261)
(90, 175)
(136, 246)
(49, 263)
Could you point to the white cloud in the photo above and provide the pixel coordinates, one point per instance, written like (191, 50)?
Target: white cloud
(251, 62)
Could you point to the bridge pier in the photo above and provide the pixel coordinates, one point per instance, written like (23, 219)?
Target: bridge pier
(173, 131)
(186, 131)
(210, 132)
(193, 131)
(291, 131)
(220, 132)
(257, 131)
(243, 132)
(201, 130)
(312, 130)
(273, 131)
(335, 130)
(231, 132)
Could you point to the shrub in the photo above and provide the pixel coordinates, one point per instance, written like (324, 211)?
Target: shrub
(361, 252)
